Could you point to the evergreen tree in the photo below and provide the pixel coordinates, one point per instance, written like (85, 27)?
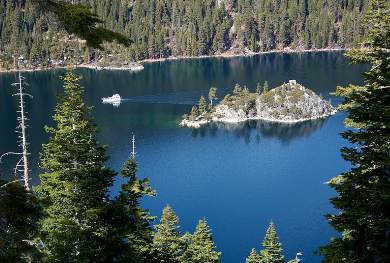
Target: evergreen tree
(194, 112)
(237, 89)
(137, 222)
(265, 86)
(272, 249)
(74, 185)
(167, 240)
(363, 192)
(19, 214)
(202, 106)
(201, 249)
(212, 95)
(253, 257)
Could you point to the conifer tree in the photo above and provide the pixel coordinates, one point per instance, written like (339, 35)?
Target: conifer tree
(272, 248)
(212, 95)
(265, 86)
(137, 221)
(74, 184)
(363, 192)
(201, 249)
(19, 214)
(253, 257)
(167, 240)
(202, 106)
(237, 89)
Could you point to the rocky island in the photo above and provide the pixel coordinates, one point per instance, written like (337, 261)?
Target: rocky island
(291, 102)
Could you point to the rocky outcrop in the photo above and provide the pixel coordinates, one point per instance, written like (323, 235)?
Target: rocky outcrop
(292, 102)
(289, 103)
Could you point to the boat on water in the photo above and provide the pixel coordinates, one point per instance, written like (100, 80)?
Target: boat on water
(114, 100)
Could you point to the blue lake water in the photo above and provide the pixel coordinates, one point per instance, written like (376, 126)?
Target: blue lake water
(239, 177)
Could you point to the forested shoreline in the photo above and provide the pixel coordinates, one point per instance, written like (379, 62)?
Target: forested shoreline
(178, 29)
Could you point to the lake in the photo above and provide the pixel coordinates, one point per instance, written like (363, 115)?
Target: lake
(239, 177)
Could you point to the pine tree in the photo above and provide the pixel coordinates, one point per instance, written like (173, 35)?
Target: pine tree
(212, 95)
(237, 89)
(194, 113)
(137, 222)
(202, 106)
(201, 248)
(265, 86)
(19, 214)
(253, 257)
(363, 192)
(272, 249)
(74, 185)
(167, 240)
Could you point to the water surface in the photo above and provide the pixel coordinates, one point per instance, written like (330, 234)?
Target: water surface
(237, 176)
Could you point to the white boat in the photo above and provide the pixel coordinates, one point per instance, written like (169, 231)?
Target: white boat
(114, 100)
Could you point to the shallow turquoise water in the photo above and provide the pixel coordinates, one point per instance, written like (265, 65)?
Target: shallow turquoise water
(237, 176)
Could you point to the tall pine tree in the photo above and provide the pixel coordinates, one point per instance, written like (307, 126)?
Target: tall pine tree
(363, 199)
(74, 184)
(272, 248)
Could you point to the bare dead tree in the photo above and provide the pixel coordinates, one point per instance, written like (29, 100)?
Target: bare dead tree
(22, 164)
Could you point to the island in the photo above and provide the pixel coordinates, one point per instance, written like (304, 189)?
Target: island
(289, 103)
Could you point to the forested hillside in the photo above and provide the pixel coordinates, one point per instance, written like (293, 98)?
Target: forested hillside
(163, 28)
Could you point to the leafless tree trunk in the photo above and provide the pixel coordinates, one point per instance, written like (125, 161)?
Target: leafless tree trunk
(22, 164)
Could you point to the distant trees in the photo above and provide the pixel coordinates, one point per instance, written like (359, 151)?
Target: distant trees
(155, 29)
(363, 192)
(272, 249)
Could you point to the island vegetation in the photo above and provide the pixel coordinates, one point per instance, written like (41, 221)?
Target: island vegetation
(37, 34)
(290, 102)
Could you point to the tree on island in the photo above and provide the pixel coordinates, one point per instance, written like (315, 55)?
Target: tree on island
(265, 86)
(237, 89)
(202, 106)
(194, 113)
(201, 248)
(167, 241)
(212, 95)
(74, 185)
(363, 202)
(258, 88)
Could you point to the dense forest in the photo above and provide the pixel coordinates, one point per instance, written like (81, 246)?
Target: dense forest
(164, 28)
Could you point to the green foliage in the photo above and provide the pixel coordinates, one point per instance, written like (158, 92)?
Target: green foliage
(194, 113)
(74, 185)
(272, 248)
(202, 106)
(253, 257)
(212, 95)
(201, 249)
(265, 86)
(79, 20)
(363, 192)
(237, 89)
(136, 225)
(46, 32)
(19, 213)
(167, 240)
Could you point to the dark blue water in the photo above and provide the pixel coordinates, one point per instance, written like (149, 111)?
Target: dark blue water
(237, 176)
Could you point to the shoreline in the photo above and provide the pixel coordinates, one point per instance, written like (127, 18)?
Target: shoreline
(150, 61)
(200, 123)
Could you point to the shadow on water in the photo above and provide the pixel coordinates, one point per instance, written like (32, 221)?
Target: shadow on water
(257, 129)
